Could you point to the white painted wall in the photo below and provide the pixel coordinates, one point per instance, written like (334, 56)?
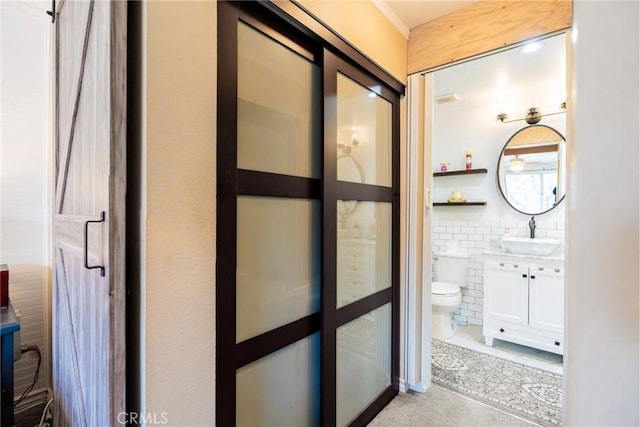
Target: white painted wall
(602, 337)
(506, 82)
(24, 177)
(476, 129)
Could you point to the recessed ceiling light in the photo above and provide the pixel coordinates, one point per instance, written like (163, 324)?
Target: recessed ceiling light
(372, 95)
(531, 47)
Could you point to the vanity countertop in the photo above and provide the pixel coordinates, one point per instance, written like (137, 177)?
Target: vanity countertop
(496, 251)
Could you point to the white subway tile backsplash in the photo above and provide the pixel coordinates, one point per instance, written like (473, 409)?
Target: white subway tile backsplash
(509, 223)
(545, 224)
(491, 222)
(465, 312)
(483, 230)
(474, 307)
(555, 234)
(475, 237)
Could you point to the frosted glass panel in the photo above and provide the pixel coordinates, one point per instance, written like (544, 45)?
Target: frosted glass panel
(282, 389)
(363, 362)
(363, 250)
(364, 134)
(278, 263)
(278, 107)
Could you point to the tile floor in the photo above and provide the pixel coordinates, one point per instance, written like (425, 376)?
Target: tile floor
(439, 407)
(470, 336)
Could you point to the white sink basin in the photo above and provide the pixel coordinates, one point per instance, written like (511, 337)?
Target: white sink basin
(525, 246)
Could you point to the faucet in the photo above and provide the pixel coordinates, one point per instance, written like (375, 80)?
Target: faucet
(532, 227)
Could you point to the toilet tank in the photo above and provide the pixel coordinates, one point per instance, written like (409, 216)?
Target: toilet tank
(451, 267)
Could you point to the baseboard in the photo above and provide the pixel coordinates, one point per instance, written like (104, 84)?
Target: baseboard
(420, 388)
(402, 386)
(405, 387)
(34, 398)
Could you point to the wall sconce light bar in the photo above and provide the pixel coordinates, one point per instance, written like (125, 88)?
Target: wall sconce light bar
(533, 115)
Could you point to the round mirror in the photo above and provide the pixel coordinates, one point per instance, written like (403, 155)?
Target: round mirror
(531, 170)
(348, 170)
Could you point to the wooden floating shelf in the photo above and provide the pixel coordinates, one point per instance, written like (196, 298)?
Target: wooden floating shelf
(460, 204)
(460, 172)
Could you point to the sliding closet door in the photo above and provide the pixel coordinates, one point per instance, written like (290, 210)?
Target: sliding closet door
(269, 224)
(307, 223)
(361, 302)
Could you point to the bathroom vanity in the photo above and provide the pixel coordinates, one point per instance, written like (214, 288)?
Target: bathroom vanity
(355, 269)
(524, 300)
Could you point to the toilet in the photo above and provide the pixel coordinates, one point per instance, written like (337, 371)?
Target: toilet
(450, 273)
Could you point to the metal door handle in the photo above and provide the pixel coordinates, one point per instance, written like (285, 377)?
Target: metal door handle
(86, 245)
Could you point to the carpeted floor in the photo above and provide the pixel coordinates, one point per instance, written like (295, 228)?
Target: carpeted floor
(439, 407)
(528, 392)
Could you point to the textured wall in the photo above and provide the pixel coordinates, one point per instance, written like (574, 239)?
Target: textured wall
(602, 316)
(363, 25)
(180, 211)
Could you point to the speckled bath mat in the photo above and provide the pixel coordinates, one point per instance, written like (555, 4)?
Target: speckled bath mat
(522, 390)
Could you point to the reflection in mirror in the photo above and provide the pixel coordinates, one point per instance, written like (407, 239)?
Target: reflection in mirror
(364, 131)
(531, 169)
(348, 170)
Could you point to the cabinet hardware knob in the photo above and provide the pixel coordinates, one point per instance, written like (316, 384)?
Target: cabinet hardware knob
(557, 270)
(502, 264)
(541, 268)
(524, 276)
(557, 343)
(502, 330)
(515, 266)
(533, 277)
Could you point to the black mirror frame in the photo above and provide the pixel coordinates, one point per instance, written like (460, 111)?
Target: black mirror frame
(502, 192)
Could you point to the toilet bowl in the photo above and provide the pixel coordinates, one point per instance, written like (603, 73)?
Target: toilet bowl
(445, 299)
(450, 273)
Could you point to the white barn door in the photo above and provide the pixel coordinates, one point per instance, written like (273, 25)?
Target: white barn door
(89, 221)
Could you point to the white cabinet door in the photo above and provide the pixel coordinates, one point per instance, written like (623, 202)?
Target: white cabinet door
(546, 306)
(507, 292)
